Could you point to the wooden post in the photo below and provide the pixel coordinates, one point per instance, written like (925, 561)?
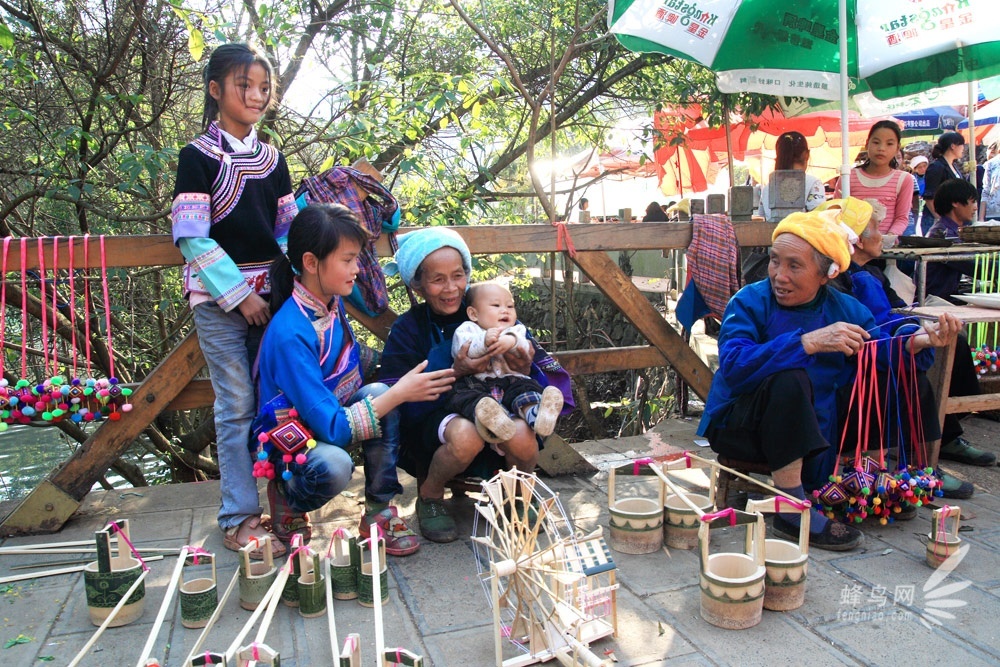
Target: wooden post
(619, 288)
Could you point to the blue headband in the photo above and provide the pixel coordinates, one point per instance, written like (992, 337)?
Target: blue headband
(414, 248)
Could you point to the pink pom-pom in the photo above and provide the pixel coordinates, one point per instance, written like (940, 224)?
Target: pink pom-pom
(262, 438)
(300, 459)
(270, 473)
(127, 407)
(287, 458)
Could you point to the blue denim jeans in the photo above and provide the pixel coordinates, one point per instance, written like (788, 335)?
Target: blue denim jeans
(328, 468)
(230, 346)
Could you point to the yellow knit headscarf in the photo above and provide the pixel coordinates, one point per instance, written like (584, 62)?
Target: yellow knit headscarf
(821, 231)
(855, 213)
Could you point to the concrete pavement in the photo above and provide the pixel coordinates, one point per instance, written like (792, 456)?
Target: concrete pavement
(875, 606)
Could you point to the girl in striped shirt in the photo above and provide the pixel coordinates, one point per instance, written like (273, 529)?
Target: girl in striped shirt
(880, 179)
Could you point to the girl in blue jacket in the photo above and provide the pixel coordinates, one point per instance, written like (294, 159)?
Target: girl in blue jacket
(314, 406)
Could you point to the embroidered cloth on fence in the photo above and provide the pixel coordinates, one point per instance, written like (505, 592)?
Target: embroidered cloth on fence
(375, 207)
(713, 260)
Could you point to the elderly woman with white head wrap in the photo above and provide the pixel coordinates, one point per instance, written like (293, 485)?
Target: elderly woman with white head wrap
(438, 445)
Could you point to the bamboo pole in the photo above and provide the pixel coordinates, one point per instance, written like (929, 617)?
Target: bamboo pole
(678, 491)
(273, 592)
(334, 642)
(737, 473)
(14, 551)
(107, 621)
(78, 543)
(373, 542)
(51, 573)
(168, 598)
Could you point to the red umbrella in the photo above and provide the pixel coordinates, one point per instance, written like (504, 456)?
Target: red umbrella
(753, 140)
(680, 168)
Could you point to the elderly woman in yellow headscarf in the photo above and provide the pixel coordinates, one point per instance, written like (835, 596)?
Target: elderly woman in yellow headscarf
(785, 348)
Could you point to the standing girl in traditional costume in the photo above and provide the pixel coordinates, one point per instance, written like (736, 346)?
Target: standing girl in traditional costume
(232, 205)
(313, 405)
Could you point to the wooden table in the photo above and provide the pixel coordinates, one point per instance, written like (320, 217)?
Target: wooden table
(945, 360)
(922, 256)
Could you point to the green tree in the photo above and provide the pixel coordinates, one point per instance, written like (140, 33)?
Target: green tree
(452, 101)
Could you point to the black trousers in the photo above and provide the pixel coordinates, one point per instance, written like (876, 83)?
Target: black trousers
(964, 382)
(508, 390)
(776, 424)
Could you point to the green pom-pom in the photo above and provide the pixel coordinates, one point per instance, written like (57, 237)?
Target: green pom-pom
(57, 380)
(865, 491)
(3, 426)
(21, 384)
(126, 391)
(832, 478)
(929, 470)
(47, 416)
(88, 391)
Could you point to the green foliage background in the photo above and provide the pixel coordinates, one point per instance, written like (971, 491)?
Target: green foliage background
(448, 99)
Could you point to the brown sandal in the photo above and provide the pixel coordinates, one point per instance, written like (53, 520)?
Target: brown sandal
(250, 530)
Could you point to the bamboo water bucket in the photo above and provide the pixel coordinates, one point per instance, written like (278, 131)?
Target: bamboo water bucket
(680, 522)
(109, 577)
(200, 596)
(366, 591)
(345, 560)
(943, 540)
(256, 577)
(290, 593)
(682, 509)
(786, 562)
(636, 523)
(312, 585)
(732, 584)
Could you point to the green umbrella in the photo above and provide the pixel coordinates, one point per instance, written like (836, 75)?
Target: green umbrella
(793, 47)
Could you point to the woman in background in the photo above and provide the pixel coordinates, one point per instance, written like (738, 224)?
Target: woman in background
(792, 152)
(950, 146)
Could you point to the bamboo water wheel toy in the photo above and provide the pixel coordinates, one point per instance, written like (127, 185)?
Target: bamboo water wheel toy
(526, 554)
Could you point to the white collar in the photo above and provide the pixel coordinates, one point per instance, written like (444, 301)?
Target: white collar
(241, 145)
